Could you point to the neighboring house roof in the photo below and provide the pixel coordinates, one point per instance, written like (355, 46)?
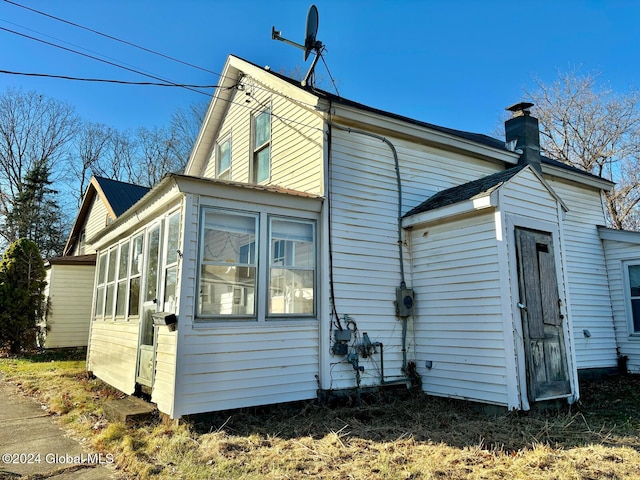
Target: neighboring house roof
(117, 197)
(466, 191)
(71, 260)
(120, 196)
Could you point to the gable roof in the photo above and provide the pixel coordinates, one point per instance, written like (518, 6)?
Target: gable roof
(235, 67)
(116, 196)
(466, 191)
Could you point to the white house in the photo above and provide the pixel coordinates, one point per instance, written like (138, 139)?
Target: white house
(69, 289)
(315, 244)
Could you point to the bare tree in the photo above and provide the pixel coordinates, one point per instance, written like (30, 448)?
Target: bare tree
(594, 129)
(91, 144)
(156, 156)
(34, 130)
(185, 125)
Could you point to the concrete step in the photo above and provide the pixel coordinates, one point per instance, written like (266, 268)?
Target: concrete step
(129, 409)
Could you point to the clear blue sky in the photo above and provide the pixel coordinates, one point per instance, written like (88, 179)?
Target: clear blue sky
(452, 63)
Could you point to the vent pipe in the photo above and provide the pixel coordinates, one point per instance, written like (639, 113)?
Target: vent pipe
(522, 135)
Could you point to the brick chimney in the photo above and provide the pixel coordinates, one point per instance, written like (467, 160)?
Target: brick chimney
(523, 135)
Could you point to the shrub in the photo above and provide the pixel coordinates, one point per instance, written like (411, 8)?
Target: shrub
(22, 302)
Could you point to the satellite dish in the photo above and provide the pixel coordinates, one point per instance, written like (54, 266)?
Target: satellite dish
(311, 31)
(310, 41)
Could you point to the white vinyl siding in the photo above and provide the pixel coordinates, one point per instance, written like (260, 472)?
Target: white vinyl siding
(296, 140)
(620, 254)
(113, 353)
(460, 325)
(364, 236)
(588, 284)
(70, 290)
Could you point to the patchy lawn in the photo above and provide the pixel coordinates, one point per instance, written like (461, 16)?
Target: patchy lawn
(394, 434)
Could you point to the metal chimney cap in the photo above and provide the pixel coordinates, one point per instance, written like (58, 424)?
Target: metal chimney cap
(521, 108)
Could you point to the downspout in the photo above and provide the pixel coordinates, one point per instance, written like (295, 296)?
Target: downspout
(399, 224)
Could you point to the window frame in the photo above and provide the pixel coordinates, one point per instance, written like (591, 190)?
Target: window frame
(260, 250)
(289, 247)
(257, 149)
(629, 297)
(226, 173)
(225, 317)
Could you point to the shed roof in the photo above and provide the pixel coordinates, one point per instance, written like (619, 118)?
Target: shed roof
(466, 191)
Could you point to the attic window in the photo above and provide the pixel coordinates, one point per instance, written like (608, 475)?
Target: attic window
(261, 167)
(223, 164)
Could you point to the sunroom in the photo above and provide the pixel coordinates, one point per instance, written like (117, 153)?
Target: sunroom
(207, 296)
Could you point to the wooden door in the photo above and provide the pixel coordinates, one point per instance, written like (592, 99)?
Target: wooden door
(542, 321)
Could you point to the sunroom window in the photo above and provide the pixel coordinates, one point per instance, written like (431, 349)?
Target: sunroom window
(262, 146)
(292, 269)
(228, 264)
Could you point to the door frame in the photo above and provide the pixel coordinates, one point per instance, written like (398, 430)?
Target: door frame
(555, 231)
(147, 305)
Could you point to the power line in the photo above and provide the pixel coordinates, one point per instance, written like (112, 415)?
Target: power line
(98, 59)
(122, 82)
(112, 37)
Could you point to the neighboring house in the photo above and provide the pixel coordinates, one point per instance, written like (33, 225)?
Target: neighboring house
(315, 244)
(69, 290)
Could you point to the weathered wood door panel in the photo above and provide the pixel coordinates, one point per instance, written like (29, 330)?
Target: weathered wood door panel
(546, 356)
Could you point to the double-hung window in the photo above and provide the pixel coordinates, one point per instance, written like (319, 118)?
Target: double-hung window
(111, 282)
(223, 163)
(632, 276)
(100, 282)
(228, 264)
(292, 267)
(261, 167)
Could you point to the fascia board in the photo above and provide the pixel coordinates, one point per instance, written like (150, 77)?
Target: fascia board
(614, 235)
(449, 212)
(575, 177)
(351, 116)
(213, 117)
(247, 194)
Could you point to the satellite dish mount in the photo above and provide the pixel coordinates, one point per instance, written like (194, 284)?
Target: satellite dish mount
(311, 44)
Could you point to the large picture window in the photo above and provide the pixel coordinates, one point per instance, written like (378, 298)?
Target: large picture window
(292, 267)
(262, 146)
(228, 264)
(632, 273)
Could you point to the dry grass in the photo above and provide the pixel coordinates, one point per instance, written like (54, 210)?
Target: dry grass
(394, 435)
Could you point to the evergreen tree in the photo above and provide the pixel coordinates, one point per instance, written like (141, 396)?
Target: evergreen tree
(36, 214)
(22, 303)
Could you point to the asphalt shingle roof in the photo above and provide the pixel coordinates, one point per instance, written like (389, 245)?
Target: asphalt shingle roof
(466, 191)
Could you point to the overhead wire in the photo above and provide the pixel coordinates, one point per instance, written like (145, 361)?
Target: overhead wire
(93, 57)
(104, 80)
(167, 82)
(111, 37)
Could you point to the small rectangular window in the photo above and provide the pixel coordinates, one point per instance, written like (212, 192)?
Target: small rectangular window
(262, 146)
(223, 164)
